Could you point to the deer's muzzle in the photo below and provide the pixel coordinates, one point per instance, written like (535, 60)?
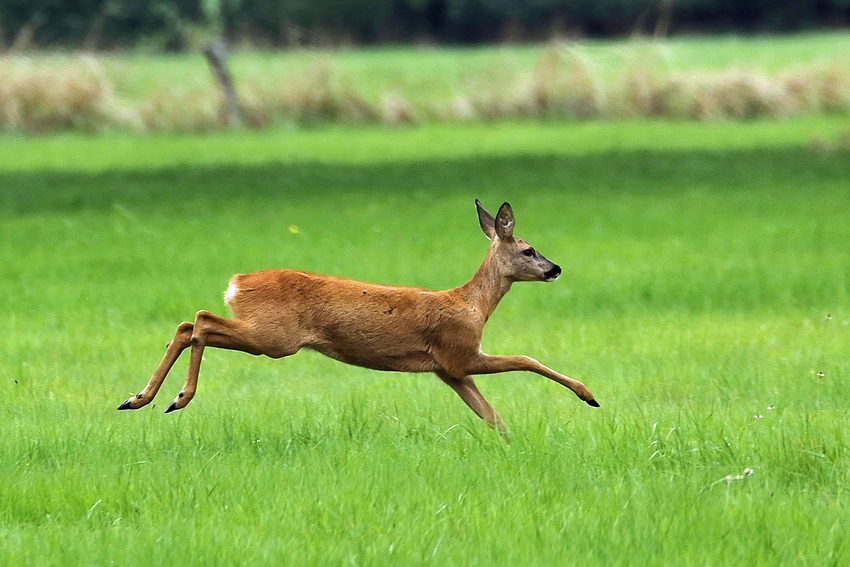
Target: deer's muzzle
(553, 273)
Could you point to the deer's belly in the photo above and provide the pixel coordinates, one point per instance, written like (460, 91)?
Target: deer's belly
(380, 359)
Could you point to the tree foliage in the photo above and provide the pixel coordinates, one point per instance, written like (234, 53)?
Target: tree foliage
(110, 23)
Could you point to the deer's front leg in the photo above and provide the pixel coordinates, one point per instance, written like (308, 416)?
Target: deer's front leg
(486, 364)
(467, 390)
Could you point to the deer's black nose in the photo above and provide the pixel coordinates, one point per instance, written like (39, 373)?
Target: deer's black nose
(553, 273)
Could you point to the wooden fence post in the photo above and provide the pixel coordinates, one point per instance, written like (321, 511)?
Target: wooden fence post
(215, 53)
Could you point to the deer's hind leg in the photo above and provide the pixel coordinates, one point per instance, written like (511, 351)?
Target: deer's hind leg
(182, 339)
(213, 330)
(469, 393)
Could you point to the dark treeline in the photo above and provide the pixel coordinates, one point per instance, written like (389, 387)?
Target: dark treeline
(170, 23)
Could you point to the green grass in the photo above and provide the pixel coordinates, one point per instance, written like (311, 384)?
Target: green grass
(704, 300)
(428, 73)
(375, 146)
(686, 78)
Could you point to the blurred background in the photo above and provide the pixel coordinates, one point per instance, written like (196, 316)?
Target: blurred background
(176, 24)
(127, 65)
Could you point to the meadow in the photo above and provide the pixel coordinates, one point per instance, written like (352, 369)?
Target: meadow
(684, 78)
(704, 300)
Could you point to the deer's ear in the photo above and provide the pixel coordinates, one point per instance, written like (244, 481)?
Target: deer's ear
(486, 221)
(504, 223)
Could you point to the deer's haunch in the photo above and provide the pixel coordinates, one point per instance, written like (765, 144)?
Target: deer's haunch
(405, 329)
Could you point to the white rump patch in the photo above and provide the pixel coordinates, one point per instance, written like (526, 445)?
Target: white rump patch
(230, 293)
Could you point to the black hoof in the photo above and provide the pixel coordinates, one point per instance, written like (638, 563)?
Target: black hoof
(593, 403)
(126, 404)
(172, 407)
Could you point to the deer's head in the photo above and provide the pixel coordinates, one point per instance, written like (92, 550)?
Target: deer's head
(515, 258)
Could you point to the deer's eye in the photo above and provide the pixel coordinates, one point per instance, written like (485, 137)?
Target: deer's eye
(528, 252)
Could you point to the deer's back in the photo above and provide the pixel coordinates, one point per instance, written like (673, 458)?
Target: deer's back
(377, 326)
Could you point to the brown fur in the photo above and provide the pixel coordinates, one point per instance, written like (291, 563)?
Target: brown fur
(405, 329)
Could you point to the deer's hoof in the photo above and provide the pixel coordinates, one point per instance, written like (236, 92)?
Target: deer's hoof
(127, 404)
(593, 402)
(172, 407)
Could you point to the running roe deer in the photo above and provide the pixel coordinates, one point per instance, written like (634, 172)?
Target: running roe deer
(405, 329)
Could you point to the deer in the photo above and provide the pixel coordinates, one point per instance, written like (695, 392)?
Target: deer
(393, 328)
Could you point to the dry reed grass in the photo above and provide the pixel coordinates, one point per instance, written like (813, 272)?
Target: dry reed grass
(36, 96)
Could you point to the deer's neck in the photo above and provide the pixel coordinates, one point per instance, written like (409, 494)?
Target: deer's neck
(487, 287)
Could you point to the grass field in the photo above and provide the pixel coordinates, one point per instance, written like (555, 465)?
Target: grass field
(704, 300)
(685, 78)
(427, 72)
